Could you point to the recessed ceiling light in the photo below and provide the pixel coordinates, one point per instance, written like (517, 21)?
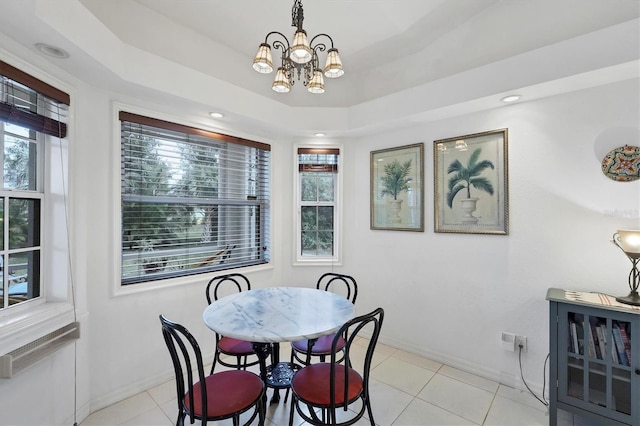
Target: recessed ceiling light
(510, 98)
(320, 134)
(50, 50)
(216, 114)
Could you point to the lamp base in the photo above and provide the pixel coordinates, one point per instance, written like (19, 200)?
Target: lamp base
(632, 299)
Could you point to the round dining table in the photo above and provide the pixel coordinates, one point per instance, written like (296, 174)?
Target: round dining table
(269, 316)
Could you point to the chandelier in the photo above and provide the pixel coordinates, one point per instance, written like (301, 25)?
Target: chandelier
(299, 59)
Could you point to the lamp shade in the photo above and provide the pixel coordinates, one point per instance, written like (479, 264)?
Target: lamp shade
(281, 83)
(629, 241)
(300, 50)
(316, 85)
(333, 67)
(263, 62)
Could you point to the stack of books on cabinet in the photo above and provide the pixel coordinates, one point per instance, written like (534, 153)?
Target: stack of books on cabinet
(594, 340)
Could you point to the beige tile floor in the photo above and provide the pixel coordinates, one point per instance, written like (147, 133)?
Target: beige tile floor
(406, 390)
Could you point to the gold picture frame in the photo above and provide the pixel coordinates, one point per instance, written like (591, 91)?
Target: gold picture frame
(397, 188)
(471, 185)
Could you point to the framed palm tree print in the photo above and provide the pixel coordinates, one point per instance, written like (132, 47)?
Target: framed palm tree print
(471, 183)
(397, 188)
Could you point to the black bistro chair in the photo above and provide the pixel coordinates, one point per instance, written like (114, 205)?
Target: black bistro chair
(333, 387)
(239, 350)
(219, 396)
(338, 283)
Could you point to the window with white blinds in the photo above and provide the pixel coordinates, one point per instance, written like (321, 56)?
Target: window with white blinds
(193, 201)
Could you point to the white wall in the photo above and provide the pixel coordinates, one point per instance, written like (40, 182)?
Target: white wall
(449, 296)
(446, 296)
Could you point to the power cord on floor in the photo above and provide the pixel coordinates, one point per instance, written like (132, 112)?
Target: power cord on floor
(544, 378)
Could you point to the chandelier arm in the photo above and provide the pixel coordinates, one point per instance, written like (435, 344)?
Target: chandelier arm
(321, 35)
(278, 44)
(318, 47)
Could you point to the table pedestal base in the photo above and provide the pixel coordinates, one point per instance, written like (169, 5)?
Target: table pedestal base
(279, 376)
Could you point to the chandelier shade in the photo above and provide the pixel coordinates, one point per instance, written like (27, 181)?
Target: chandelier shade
(316, 85)
(300, 59)
(333, 67)
(281, 83)
(263, 63)
(300, 51)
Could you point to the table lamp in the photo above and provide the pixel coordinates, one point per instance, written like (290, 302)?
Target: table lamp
(629, 242)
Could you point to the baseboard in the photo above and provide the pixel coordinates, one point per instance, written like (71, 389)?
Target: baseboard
(137, 387)
(504, 378)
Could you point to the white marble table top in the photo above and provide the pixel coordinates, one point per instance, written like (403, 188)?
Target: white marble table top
(278, 314)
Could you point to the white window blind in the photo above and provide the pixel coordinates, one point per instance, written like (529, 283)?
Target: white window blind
(192, 201)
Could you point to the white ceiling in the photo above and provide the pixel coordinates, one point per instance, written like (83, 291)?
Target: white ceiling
(387, 46)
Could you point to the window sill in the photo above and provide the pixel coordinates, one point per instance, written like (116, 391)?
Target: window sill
(317, 262)
(129, 289)
(20, 328)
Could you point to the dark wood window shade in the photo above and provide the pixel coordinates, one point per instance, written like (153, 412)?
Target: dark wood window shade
(319, 166)
(14, 114)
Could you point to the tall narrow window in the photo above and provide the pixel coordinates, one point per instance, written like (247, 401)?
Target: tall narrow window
(317, 203)
(192, 201)
(30, 112)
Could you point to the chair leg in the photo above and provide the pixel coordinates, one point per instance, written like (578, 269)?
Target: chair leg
(215, 359)
(292, 409)
(262, 409)
(370, 412)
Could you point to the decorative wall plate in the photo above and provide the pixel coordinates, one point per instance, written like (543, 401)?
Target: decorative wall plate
(622, 164)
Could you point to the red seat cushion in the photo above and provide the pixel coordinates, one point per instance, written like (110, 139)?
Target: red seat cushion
(233, 346)
(311, 384)
(228, 392)
(321, 347)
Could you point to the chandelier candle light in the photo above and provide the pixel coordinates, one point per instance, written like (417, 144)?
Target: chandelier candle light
(629, 243)
(299, 58)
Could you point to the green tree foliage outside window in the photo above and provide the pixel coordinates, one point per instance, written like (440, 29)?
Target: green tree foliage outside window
(317, 215)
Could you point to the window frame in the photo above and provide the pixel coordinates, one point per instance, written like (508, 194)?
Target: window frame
(336, 259)
(172, 123)
(27, 321)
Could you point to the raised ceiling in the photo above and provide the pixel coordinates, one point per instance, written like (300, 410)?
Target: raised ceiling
(386, 45)
(437, 52)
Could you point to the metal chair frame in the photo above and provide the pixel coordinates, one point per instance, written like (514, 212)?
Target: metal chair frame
(241, 283)
(183, 347)
(326, 282)
(306, 409)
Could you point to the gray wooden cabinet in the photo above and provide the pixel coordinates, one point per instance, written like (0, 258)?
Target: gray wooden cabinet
(594, 368)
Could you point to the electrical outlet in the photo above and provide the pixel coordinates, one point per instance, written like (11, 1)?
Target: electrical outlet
(521, 342)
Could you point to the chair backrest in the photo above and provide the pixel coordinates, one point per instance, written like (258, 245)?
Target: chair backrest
(184, 350)
(224, 285)
(369, 325)
(339, 283)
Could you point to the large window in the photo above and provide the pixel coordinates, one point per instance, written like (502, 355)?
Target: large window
(317, 194)
(192, 201)
(27, 118)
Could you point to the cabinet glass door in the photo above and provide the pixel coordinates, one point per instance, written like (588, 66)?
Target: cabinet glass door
(598, 372)
(621, 368)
